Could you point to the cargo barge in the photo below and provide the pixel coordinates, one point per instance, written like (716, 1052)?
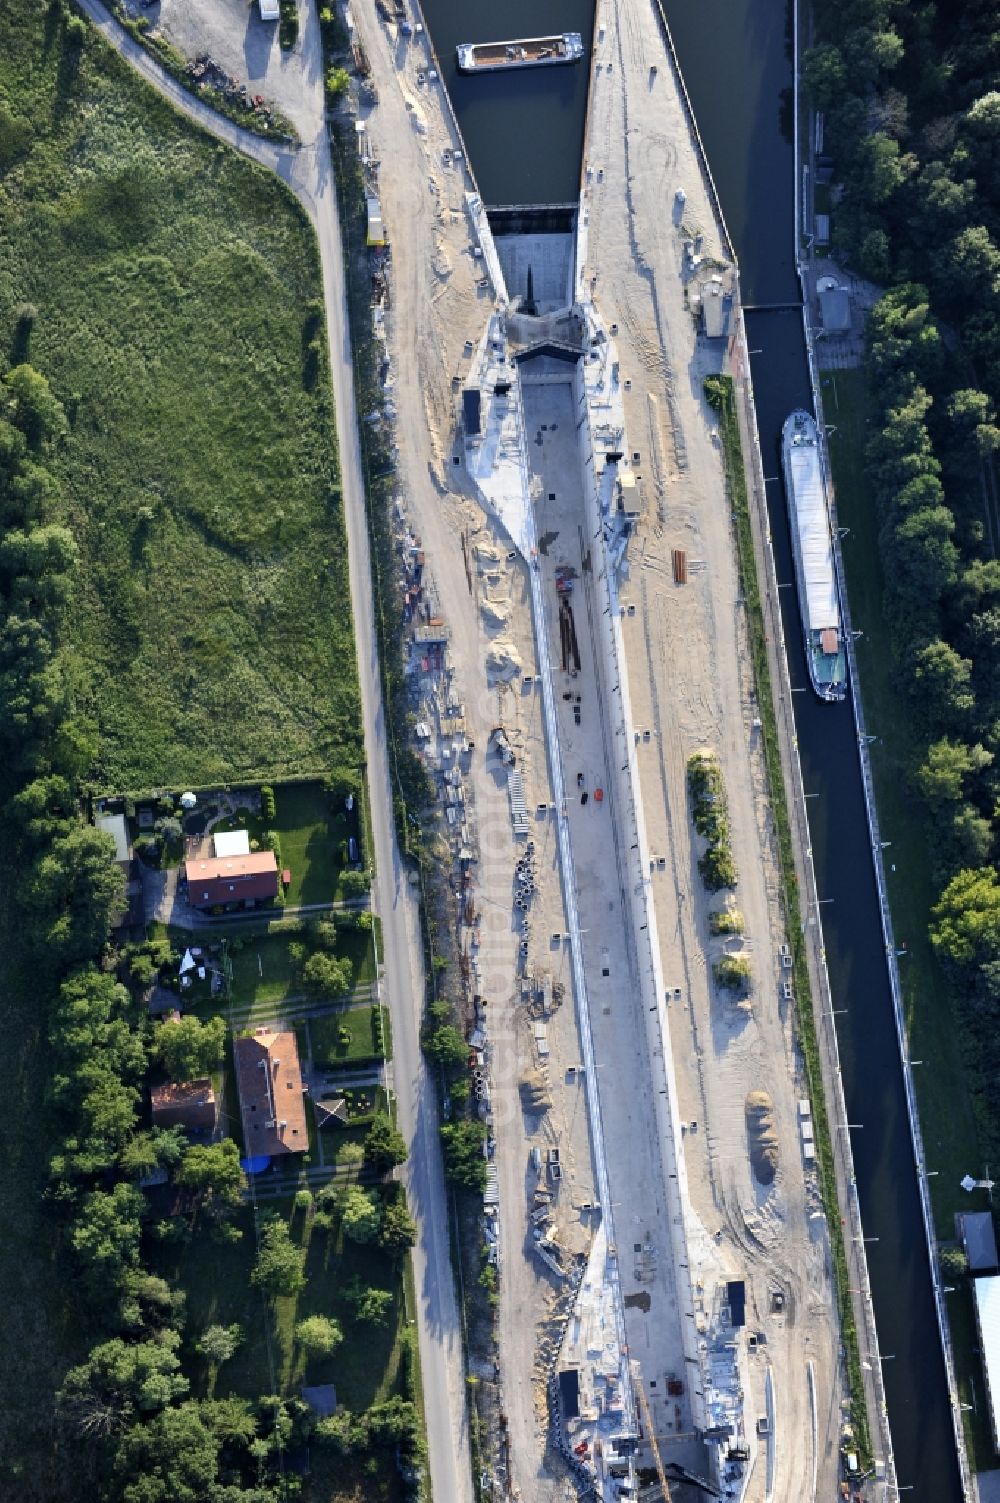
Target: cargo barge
(525, 52)
(812, 550)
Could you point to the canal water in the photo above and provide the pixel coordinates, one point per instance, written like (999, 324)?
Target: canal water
(523, 129)
(524, 134)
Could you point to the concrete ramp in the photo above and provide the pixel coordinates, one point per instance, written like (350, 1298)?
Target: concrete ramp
(550, 258)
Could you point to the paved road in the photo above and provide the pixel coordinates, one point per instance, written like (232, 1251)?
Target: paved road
(309, 173)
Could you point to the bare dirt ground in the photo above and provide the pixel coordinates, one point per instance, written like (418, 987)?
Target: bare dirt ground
(437, 305)
(246, 47)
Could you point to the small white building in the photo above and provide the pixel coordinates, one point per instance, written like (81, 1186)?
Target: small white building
(986, 1292)
(716, 305)
(834, 306)
(376, 229)
(229, 843)
(269, 10)
(116, 825)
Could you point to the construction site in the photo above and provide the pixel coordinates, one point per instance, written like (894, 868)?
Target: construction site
(583, 695)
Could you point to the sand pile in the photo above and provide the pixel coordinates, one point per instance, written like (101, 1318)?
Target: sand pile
(503, 662)
(495, 614)
(534, 1093)
(762, 1137)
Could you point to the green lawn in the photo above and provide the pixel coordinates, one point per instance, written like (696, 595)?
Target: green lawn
(216, 1278)
(174, 291)
(328, 1050)
(946, 1113)
(312, 839)
(263, 972)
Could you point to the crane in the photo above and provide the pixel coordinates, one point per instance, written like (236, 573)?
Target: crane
(647, 1420)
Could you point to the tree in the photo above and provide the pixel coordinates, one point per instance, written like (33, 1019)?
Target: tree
(43, 807)
(966, 842)
(213, 1171)
(966, 918)
(189, 1048)
(280, 1266)
(147, 1151)
(149, 1304)
(463, 1144)
(883, 170)
(30, 404)
(218, 1344)
(446, 1046)
(74, 892)
(399, 1233)
(325, 975)
(360, 1214)
(173, 1459)
(36, 567)
(318, 1335)
(354, 884)
(941, 777)
(384, 1146)
(824, 75)
(369, 1304)
(953, 1263)
(943, 685)
(349, 1155)
(120, 1380)
(921, 557)
(106, 1234)
(393, 1421)
(232, 1421)
(970, 259)
(343, 1432)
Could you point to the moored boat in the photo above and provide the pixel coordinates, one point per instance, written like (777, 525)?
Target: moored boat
(812, 550)
(523, 52)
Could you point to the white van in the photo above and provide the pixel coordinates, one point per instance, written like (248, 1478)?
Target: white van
(269, 10)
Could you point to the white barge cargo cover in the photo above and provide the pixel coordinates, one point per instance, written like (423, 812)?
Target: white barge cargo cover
(811, 519)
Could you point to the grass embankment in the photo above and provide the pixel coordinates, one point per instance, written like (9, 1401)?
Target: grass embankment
(946, 1114)
(172, 296)
(719, 391)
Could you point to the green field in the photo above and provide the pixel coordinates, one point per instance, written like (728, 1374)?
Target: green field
(946, 1115)
(168, 290)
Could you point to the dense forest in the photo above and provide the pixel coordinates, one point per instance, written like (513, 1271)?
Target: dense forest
(911, 99)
